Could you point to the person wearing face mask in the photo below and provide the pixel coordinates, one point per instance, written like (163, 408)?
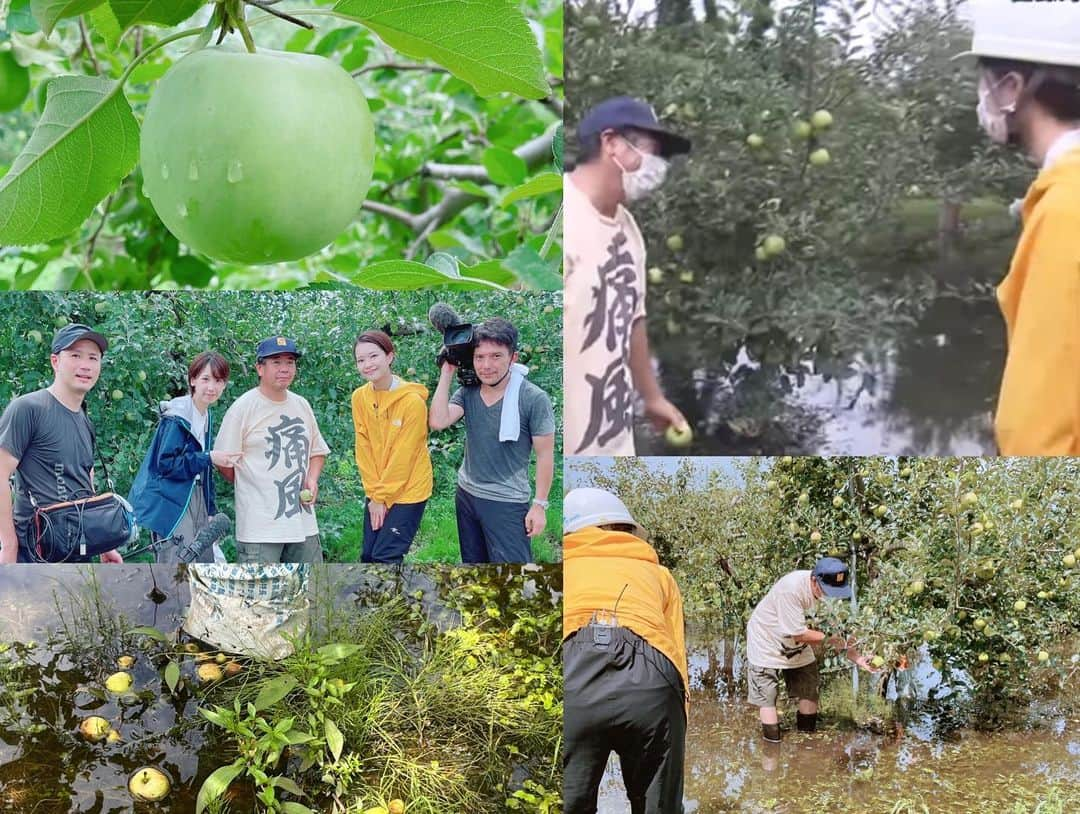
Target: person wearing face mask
(624, 153)
(173, 491)
(1029, 97)
(390, 418)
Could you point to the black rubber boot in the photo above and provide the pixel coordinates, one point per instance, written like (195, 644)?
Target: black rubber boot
(806, 723)
(771, 732)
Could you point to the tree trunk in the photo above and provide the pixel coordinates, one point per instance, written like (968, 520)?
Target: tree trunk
(948, 228)
(673, 12)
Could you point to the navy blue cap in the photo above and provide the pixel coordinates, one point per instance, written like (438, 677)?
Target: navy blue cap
(274, 346)
(623, 111)
(832, 577)
(72, 333)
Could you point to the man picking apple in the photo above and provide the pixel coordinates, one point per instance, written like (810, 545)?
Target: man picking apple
(283, 452)
(779, 644)
(624, 157)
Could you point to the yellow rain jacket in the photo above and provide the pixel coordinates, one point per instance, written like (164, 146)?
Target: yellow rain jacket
(598, 564)
(391, 442)
(1038, 410)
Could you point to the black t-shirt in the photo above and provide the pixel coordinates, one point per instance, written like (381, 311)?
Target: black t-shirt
(55, 449)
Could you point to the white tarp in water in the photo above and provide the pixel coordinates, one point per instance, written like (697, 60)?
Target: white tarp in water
(252, 610)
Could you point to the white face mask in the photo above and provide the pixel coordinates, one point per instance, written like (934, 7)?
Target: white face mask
(647, 178)
(993, 119)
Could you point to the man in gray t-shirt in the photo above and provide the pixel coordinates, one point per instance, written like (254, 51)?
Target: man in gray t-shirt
(495, 517)
(46, 442)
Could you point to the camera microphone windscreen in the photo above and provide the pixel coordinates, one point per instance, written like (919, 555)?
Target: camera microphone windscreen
(442, 316)
(219, 525)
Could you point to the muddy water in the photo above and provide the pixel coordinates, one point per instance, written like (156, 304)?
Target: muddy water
(730, 768)
(50, 680)
(929, 391)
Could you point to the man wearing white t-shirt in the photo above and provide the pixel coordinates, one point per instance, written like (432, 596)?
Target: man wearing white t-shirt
(779, 644)
(282, 456)
(623, 157)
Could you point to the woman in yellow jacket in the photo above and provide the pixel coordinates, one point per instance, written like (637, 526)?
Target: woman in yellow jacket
(1029, 96)
(391, 421)
(624, 660)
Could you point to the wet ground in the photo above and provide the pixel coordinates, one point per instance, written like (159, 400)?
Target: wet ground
(62, 629)
(913, 768)
(930, 391)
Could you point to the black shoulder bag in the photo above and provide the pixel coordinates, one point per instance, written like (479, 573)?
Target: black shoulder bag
(85, 527)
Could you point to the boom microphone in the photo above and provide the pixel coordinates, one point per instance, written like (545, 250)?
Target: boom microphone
(218, 527)
(442, 316)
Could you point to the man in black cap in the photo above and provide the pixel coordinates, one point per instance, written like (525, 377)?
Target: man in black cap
(624, 153)
(47, 442)
(779, 644)
(282, 453)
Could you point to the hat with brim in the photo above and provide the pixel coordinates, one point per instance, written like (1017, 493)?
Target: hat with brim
(276, 346)
(624, 112)
(71, 333)
(833, 578)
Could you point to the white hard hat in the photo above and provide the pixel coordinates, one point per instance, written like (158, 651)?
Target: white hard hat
(1046, 33)
(596, 507)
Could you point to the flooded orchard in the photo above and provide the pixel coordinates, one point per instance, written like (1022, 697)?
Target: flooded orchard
(922, 381)
(903, 754)
(434, 687)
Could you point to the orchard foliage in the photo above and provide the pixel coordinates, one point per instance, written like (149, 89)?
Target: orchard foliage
(972, 561)
(777, 237)
(154, 335)
(465, 189)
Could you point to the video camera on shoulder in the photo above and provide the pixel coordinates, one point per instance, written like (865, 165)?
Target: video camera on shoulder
(459, 342)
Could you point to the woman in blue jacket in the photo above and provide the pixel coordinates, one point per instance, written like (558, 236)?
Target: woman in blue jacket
(173, 492)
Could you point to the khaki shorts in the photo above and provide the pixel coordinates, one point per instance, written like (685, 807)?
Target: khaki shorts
(763, 683)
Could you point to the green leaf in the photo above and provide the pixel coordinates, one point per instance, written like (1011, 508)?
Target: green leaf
(188, 270)
(534, 270)
(274, 690)
(104, 22)
(162, 12)
(557, 148)
(492, 271)
(503, 167)
(472, 188)
(288, 785)
(291, 807)
(334, 739)
(543, 184)
(215, 717)
(85, 143)
(49, 12)
(330, 653)
(172, 675)
(214, 786)
(407, 275)
(487, 44)
(296, 737)
(152, 632)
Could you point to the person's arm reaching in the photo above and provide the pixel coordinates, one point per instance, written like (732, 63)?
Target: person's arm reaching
(660, 411)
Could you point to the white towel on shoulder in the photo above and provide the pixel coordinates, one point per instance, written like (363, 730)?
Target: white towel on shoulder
(510, 417)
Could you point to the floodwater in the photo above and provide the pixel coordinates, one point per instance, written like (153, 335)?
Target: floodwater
(62, 629)
(929, 392)
(909, 769)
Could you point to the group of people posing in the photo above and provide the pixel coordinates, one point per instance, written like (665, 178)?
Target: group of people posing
(270, 447)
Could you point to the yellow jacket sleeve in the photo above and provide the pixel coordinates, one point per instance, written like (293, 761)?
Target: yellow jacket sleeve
(365, 454)
(1039, 405)
(410, 442)
(673, 613)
